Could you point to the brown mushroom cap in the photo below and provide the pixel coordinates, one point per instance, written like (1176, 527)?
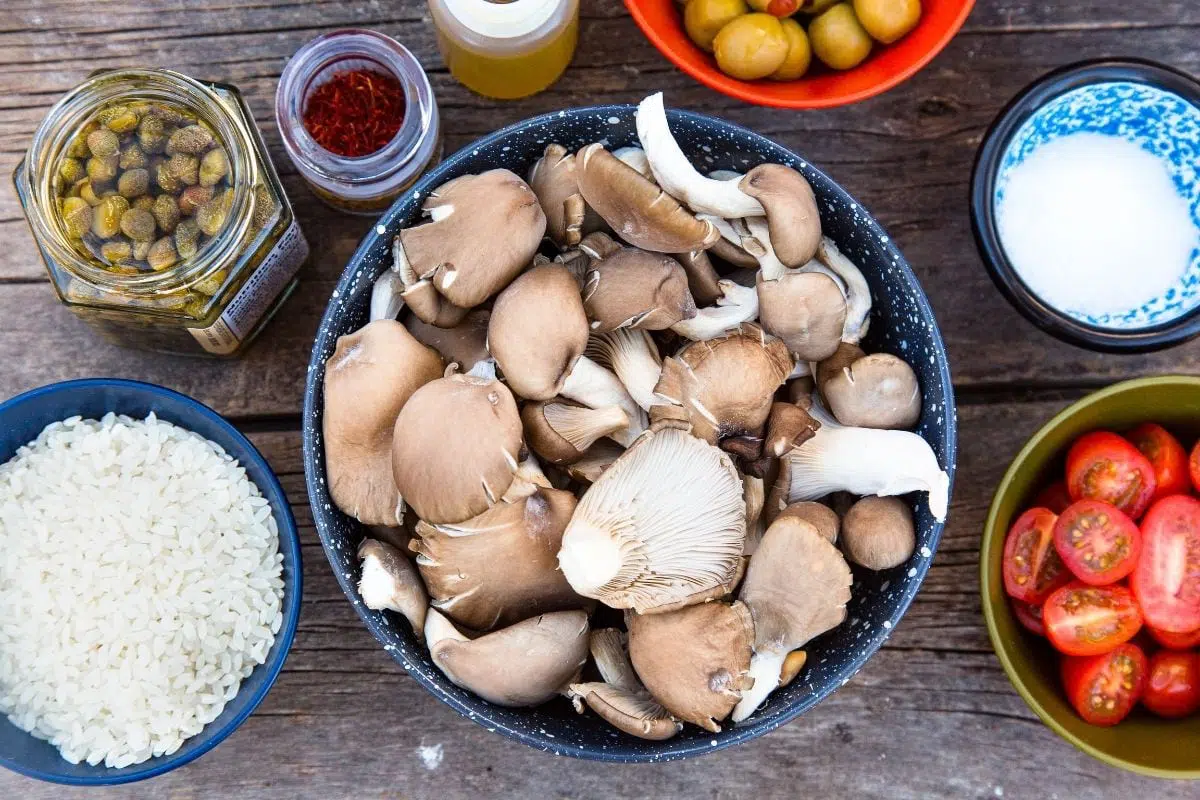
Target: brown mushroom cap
(820, 516)
(561, 432)
(695, 661)
(733, 255)
(389, 581)
(788, 427)
(792, 216)
(553, 180)
(638, 211)
(800, 391)
(455, 448)
(429, 306)
(632, 288)
(703, 281)
(598, 458)
(524, 664)
(875, 391)
(806, 310)
(463, 344)
(635, 713)
(879, 532)
(501, 566)
(538, 331)
(370, 376)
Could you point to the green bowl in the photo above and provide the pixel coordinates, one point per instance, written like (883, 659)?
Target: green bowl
(1142, 743)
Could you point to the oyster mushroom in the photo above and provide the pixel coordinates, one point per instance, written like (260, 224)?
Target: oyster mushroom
(796, 587)
(663, 526)
(632, 355)
(879, 533)
(484, 230)
(637, 210)
(387, 296)
(622, 700)
(501, 566)
(633, 288)
(561, 431)
(390, 582)
(858, 294)
(456, 447)
(464, 344)
(524, 664)
(754, 493)
(723, 387)
(703, 281)
(696, 660)
(819, 515)
(553, 179)
(806, 310)
(599, 457)
(371, 375)
(636, 158)
(738, 304)
(788, 427)
(870, 391)
(610, 652)
(537, 334)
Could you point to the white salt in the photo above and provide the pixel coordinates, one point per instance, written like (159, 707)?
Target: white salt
(1093, 225)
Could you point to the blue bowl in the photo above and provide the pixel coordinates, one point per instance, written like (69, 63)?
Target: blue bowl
(902, 323)
(21, 420)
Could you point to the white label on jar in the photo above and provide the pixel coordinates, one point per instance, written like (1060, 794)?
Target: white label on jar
(255, 297)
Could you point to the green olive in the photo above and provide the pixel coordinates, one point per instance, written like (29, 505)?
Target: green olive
(703, 19)
(838, 38)
(799, 56)
(888, 20)
(814, 7)
(751, 47)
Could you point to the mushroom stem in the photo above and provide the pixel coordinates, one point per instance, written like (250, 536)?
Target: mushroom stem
(636, 158)
(595, 387)
(739, 304)
(676, 175)
(390, 582)
(858, 293)
(765, 669)
(387, 296)
(633, 356)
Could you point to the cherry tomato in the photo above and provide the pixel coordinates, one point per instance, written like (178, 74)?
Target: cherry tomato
(1194, 467)
(1175, 641)
(1054, 497)
(1167, 457)
(1098, 543)
(1167, 578)
(1103, 466)
(1173, 685)
(1105, 688)
(1084, 620)
(1029, 616)
(1032, 569)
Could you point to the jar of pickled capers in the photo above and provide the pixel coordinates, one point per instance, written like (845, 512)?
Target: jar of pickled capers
(161, 220)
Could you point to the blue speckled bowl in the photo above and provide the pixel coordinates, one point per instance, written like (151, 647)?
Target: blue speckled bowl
(902, 323)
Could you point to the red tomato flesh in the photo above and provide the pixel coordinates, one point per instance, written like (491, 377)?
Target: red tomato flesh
(1084, 620)
(1097, 542)
(1166, 456)
(1175, 641)
(1166, 580)
(1105, 688)
(1103, 466)
(1030, 616)
(1032, 569)
(1173, 685)
(1054, 497)
(1194, 467)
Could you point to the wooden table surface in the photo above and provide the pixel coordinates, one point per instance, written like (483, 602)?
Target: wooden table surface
(932, 714)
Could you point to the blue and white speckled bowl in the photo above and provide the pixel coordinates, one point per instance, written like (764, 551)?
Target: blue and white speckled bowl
(902, 323)
(1150, 105)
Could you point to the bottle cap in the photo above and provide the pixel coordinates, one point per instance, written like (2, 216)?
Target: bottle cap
(498, 20)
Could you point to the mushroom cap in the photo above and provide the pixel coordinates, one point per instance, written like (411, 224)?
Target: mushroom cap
(788, 427)
(524, 664)
(633, 357)
(561, 431)
(599, 457)
(819, 515)
(463, 344)
(486, 229)
(610, 651)
(663, 525)
(792, 216)
(800, 391)
(368, 379)
(538, 331)
(553, 179)
(635, 713)
(724, 386)
(733, 255)
(390, 581)
(632, 288)
(636, 209)
(501, 566)
(703, 281)
(807, 310)
(455, 448)
(695, 661)
(879, 532)
(875, 391)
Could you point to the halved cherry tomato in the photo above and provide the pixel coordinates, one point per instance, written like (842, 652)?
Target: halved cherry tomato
(1054, 497)
(1097, 542)
(1175, 641)
(1194, 467)
(1103, 466)
(1173, 685)
(1029, 616)
(1032, 569)
(1166, 455)
(1167, 578)
(1105, 688)
(1084, 620)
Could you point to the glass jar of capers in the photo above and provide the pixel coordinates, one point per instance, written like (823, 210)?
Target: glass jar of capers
(158, 212)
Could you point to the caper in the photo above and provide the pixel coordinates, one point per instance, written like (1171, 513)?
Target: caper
(141, 250)
(102, 170)
(166, 212)
(71, 170)
(145, 203)
(138, 224)
(187, 238)
(185, 167)
(133, 183)
(133, 157)
(110, 113)
(192, 140)
(193, 197)
(103, 143)
(213, 167)
(78, 148)
(76, 216)
(264, 206)
(88, 193)
(167, 114)
(152, 134)
(75, 188)
(140, 107)
(123, 122)
(166, 180)
(211, 216)
(116, 251)
(162, 254)
(107, 221)
(211, 284)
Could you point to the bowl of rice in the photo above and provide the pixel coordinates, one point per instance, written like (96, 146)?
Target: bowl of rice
(150, 581)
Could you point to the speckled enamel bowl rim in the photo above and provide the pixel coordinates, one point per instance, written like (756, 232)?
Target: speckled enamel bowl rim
(1027, 103)
(314, 469)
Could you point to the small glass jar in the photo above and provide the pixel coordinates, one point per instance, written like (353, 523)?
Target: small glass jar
(211, 298)
(370, 183)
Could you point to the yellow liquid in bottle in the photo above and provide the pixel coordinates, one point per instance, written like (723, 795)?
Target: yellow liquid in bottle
(516, 64)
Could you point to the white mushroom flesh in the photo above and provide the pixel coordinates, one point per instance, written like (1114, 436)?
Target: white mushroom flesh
(596, 387)
(858, 293)
(738, 305)
(633, 357)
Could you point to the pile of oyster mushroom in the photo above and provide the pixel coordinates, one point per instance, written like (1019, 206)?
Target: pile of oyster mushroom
(588, 421)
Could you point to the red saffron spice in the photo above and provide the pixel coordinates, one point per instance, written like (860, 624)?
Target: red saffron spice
(355, 113)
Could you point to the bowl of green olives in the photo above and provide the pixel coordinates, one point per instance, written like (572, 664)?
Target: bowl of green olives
(800, 53)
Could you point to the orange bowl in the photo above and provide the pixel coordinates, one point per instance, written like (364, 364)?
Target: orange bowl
(888, 66)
